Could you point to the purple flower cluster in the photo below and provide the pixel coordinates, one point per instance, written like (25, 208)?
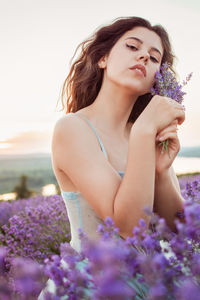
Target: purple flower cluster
(154, 263)
(167, 85)
(185, 179)
(23, 281)
(13, 207)
(36, 229)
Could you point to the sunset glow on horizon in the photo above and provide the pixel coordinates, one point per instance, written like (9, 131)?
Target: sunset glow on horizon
(4, 145)
(26, 142)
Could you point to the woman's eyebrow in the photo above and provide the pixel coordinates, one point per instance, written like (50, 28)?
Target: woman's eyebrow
(141, 42)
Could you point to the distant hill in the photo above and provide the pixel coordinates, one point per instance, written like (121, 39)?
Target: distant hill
(190, 151)
(18, 156)
(37, 167)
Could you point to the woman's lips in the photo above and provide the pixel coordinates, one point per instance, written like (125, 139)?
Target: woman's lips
(140, 69)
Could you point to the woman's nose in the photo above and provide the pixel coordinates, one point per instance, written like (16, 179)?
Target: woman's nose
(144, 56)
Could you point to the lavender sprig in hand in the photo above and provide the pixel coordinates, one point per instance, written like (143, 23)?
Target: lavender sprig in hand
(167, 85)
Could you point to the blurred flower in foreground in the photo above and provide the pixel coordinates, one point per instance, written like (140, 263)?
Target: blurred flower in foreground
(154, 263)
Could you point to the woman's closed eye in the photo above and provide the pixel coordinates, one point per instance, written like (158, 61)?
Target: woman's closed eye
(133, 48)
(154, 59)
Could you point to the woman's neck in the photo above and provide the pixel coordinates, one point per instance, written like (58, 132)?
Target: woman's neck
(111, 109)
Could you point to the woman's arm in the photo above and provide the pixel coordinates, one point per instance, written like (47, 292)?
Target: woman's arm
(137, 187)
(168, 199)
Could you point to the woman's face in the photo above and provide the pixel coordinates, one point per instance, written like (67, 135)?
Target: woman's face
(138, 46)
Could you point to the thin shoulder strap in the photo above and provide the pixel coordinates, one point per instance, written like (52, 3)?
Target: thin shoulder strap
(100, 141)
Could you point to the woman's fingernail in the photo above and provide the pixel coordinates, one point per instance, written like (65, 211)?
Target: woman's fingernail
(161, 138)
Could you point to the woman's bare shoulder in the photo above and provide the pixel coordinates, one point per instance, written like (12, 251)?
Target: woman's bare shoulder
(69, 124)
(64, 120)
(71, 130)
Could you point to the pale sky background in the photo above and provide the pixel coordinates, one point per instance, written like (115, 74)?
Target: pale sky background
(38, 39)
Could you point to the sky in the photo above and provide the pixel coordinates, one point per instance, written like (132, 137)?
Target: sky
(38, 39)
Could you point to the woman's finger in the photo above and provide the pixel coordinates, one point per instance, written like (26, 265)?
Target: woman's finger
(175, 122)
(174, 103)
(168, 129)
(180, 116)
(167, 136)
(178, 109)
(171, 128)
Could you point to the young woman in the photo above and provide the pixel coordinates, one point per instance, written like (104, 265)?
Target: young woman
(105, 150)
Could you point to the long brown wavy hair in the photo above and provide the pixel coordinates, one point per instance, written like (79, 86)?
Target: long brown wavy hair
(84, 80)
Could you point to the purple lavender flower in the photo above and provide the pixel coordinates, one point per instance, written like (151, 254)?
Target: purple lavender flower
(23, 280)
(189, 290)
(36, 230)
(167, 85)
(28, 278)
(5, 289)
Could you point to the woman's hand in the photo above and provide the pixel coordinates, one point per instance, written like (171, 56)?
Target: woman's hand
(159, 114)
(160, 118)
(164, 159)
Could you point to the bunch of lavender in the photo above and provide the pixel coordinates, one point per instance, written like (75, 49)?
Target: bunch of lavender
(167, 85)
(37, 231)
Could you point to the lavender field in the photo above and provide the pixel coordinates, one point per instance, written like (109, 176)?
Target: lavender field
(155, 263)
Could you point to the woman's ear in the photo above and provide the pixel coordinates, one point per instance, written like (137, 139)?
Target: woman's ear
(102, 63)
